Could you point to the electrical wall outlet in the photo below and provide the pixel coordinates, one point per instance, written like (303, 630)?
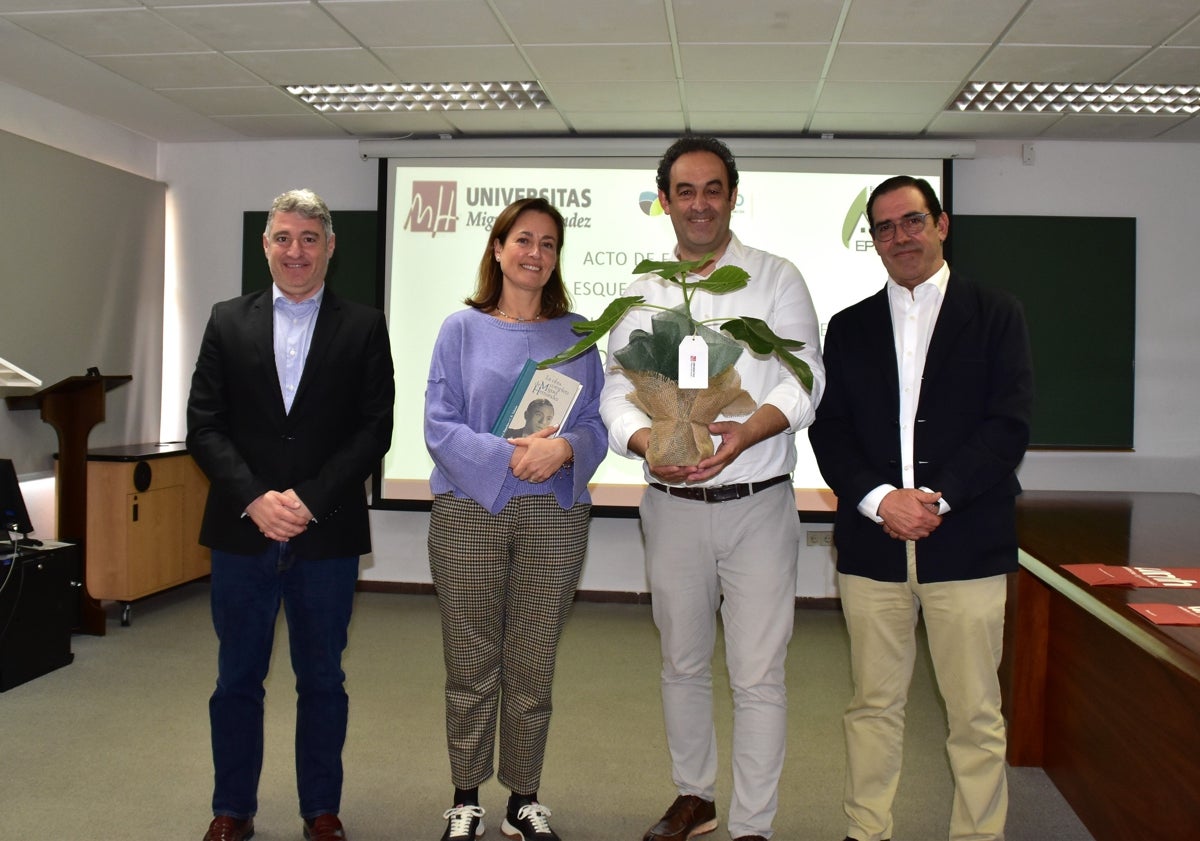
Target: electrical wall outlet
(823, 537)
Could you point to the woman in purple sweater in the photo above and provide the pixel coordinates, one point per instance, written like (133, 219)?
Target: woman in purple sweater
(509, 525)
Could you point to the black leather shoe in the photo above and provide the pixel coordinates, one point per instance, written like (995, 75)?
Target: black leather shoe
(225, 828)
(688, 817)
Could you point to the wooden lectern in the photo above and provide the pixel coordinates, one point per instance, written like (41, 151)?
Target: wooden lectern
(73, 406)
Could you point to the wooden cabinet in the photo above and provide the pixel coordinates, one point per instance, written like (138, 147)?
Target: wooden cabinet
(144, 505)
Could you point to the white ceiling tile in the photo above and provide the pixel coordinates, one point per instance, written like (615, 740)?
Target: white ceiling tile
(1166, 65)
(299, 126)
(420, 23)
(1144, 23)
(885, 97)
(462, 64)
(870, 123)
(394, 124)
(111, 32)
(542, 120)
(602, 64)
(1063, 64)
(753, 122)
(928, 21)
(756, 21)
(603, 22)
(174, 70)
(1188, 36)
(910, 62)
(268, 26)
(308, 67)
(752, 62)
(1186, 132)
(633, 97)
(623, 122)
(611, 66)
(1118, 127)
(7, 6)
(978, 124)
(237, 101)
(750, 96)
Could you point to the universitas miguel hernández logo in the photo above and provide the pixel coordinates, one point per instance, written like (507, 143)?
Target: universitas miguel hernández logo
(434, 208)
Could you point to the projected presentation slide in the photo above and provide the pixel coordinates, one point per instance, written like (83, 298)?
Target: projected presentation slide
(440, 218)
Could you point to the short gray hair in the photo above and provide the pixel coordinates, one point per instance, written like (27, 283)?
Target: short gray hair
(305, 202)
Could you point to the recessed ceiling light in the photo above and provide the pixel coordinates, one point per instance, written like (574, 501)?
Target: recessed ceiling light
(422, 96)
(1078, 98)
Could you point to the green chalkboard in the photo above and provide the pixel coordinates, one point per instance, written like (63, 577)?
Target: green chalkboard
(353, 270)
(1076, 278)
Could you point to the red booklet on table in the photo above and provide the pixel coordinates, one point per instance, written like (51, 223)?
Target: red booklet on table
(1106, 575)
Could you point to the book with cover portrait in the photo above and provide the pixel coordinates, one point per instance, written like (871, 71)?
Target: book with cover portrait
(538, 399)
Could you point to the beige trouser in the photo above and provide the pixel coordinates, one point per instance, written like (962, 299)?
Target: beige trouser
(964, 621)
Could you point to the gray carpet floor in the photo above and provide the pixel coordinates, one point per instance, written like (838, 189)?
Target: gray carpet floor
(115, 745)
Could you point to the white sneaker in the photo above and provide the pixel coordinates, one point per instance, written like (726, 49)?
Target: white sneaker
(530, 824)
(463, 822)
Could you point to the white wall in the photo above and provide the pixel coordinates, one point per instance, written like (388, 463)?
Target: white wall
(210, 185)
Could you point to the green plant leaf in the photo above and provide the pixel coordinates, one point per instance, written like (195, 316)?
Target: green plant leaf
(595, 330)
(671, 269)
(762, 339)
(724, 279)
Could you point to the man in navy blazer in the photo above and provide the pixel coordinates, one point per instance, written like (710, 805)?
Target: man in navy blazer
(290, 412)
(924, 420)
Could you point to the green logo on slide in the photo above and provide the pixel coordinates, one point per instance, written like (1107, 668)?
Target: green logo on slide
(857, 211)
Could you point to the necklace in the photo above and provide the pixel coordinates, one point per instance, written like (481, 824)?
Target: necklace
(518, 318)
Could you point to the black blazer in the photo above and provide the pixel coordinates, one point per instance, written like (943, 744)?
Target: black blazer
(339, 427)
(971, 432)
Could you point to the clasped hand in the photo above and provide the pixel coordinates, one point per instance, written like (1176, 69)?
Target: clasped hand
(280, 515)
(910, 513)
(537, 457)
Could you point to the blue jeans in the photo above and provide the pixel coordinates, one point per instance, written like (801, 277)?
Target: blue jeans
(317, 596)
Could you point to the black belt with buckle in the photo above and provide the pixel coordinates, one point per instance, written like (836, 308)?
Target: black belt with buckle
(721, 493)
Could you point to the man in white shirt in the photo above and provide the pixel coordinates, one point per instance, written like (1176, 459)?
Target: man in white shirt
(723, 533)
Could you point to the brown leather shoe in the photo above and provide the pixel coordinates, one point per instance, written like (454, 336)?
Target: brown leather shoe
(688, 817)
(325, 827)
(225, 828)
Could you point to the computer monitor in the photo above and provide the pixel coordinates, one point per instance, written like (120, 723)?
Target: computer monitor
(13, 514)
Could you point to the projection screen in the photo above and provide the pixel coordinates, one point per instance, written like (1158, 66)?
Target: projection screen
(441, 198)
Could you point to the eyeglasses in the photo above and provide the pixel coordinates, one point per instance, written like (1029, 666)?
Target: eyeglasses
(911, 224)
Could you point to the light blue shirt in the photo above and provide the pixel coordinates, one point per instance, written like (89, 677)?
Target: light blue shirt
(294, 323)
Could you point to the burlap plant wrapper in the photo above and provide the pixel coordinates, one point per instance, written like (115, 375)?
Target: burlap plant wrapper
(679, 417)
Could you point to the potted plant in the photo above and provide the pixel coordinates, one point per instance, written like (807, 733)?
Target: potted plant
(680, 416)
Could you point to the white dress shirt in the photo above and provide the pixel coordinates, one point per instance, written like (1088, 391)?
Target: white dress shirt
(914, 315)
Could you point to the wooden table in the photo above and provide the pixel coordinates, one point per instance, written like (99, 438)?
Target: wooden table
(1107, 702)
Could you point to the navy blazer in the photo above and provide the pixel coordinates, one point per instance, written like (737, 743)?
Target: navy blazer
(325, 448)
(971, 432)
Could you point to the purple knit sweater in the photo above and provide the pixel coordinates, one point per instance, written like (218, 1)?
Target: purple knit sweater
(475, 361)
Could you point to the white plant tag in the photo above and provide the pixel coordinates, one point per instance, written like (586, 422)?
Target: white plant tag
(693, 363)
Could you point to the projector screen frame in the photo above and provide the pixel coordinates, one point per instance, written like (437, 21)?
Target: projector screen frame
(815, 504)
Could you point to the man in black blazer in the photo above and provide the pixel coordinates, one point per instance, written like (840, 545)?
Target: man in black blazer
(290, 412)
(924, 420)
